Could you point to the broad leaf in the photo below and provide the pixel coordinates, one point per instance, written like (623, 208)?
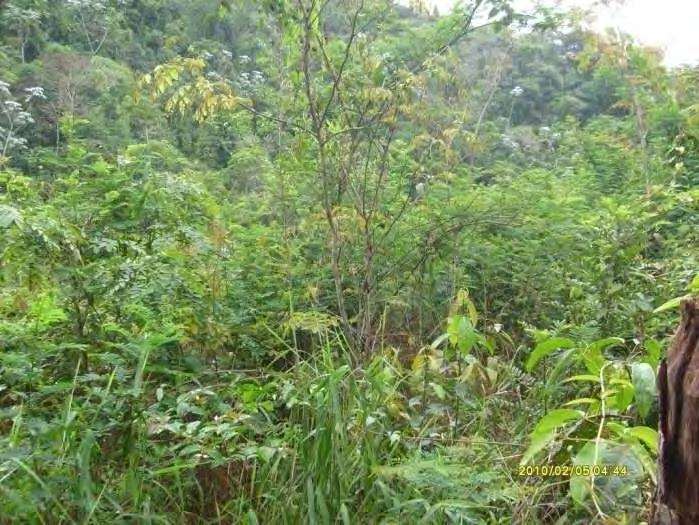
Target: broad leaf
(642, 455)
(539, 441)
(643, 379)
(592, 355)
(9, 216)
(558, 417)
(461, 334)
(610, 490)
(672, 304)
(545, 348)
(653, 351)
(439, 390)
(648, 436)
(624, 395)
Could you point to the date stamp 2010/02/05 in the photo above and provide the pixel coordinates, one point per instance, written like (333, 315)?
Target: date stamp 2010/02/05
(571, 470)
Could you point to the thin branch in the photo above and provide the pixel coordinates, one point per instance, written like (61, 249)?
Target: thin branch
(598, 438)
(99, 46)
(345, 60)
(273, 118)
(467, 28)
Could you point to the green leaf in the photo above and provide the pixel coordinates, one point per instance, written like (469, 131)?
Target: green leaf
(439, 390)
(603, 344)
(344, 515)
(609, 490)
(545, 348)
(435, 344)
(618, 428)
(592, 354)
(583, 377)
(563, 364)
(642, 455)
(582, 401)
(558, 417)
(539, 440)
(266, 453)
(252, 518)
(580, 485)
(653, 351)
(461, 334)
(643, 379)
(624, 395)
(648, 436)
(694, 285)
(672, 304)
(9, 216)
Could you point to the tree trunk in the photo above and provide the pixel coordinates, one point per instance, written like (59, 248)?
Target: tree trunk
(677, 496)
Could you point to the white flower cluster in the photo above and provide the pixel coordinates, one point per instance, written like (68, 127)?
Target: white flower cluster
(250, 81)
(14, 117)
(509, 142)
(34, 92)
(87, 4)
(549, 137)
(17, 114)
(10, 142)
(517, 91)
(26, 15)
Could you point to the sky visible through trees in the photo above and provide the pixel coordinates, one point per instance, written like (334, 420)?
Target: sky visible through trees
(669, 25)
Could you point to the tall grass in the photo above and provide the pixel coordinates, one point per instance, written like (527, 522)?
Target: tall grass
(326, 441)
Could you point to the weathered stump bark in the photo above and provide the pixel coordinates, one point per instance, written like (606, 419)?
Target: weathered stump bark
(677, 496)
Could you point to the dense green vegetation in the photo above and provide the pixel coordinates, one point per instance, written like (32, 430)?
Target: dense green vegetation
(334, 262)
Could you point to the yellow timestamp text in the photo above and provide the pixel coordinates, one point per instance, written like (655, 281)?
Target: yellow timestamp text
(571, 470)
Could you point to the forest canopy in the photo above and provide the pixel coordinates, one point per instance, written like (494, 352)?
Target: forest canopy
(340, 261)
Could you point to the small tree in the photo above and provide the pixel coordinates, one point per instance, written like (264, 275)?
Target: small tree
(352, 110)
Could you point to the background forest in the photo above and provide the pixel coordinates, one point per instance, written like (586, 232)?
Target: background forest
(334, 262)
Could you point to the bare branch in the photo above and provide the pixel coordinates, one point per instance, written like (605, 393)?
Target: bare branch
(345, 59)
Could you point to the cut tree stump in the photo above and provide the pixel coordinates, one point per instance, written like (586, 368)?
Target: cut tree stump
(677, 495)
